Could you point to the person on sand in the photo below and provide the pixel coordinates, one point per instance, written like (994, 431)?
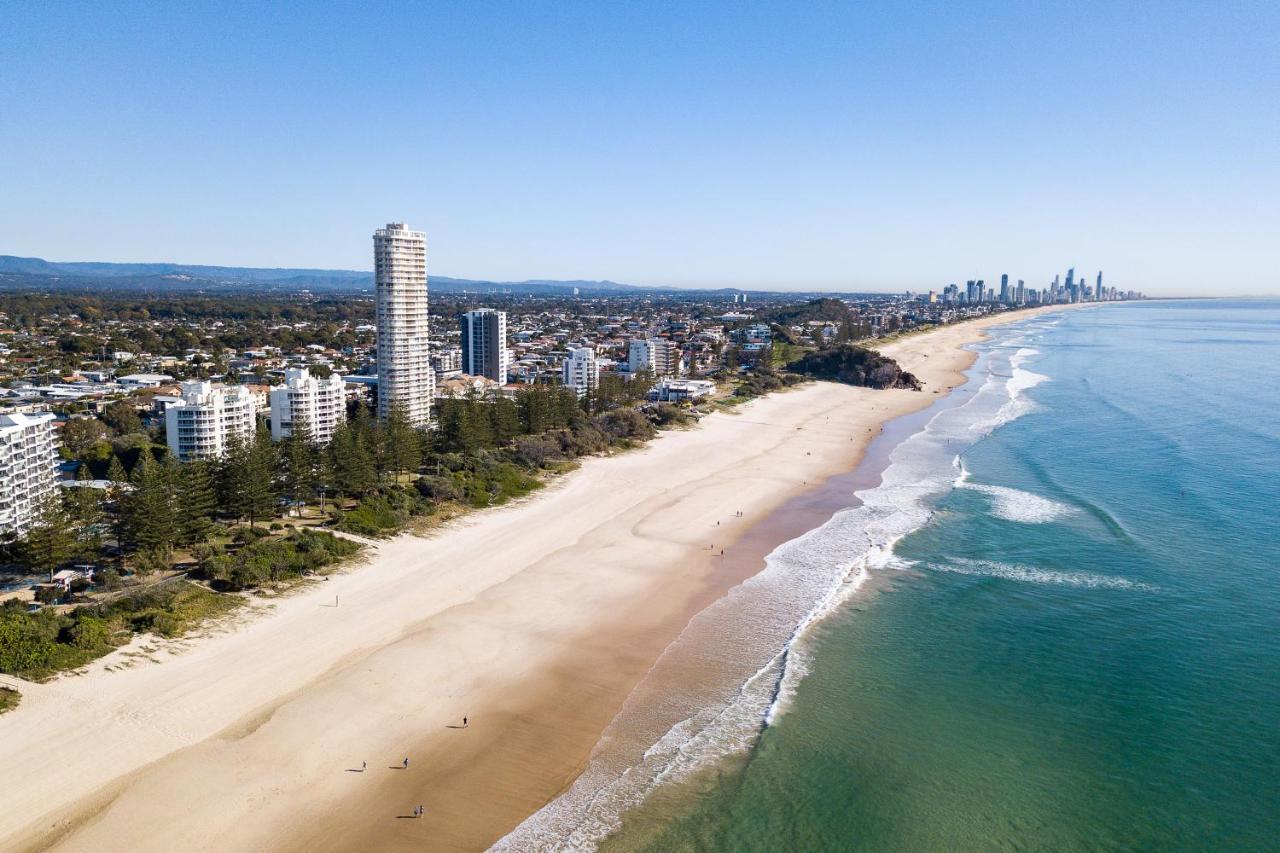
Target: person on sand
(406, 762)
(421, 809)
(364, 765)
(464, 722)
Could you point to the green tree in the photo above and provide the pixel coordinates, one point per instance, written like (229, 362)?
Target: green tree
(353, 470)
(84, 504)
(505, 420)
(232, 472)
(300, 474)
(78, 435)
(401, 449)
(116, 472)
(122, 417)
(259, 478)
(50, 541)
(150, 517)
(197, 500)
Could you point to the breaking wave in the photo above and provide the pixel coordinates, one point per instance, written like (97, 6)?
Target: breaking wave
(1033, 574)
(1015, 504)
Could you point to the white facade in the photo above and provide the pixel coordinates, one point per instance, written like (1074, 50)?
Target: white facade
(405, 376)
(446, 361)
(659, 356)
(28, 467)
(200, 425)
(321, 403)
(581, 371)
(681, 390)
(484, 344)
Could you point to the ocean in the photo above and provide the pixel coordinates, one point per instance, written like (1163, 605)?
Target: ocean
(1052, 625)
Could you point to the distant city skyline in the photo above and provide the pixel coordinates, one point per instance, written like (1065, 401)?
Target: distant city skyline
(771, 147)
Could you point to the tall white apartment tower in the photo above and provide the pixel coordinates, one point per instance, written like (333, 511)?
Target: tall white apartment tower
(405, 376)
(484, 344)
(204, 421)
(319, 403)
(581, 371)
(27, 468)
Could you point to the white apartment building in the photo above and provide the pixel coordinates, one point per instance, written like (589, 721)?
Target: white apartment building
(581, 371)
(320, 403)
(28, 466)
(484, 344)
(203, 421)
(446, 362)
(405, 375)
(659, 356)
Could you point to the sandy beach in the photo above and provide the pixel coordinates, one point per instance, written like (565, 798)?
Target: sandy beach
(535, 621)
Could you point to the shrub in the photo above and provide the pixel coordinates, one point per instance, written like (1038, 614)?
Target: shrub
(438, 488)
(668, 414)
(273, 559)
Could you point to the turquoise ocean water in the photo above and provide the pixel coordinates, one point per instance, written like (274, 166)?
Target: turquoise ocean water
(1068, 637)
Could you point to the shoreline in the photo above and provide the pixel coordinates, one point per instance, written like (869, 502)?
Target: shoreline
(568, 599)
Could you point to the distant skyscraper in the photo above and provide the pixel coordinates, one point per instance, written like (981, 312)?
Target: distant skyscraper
(405, 377)
(1004, 287)
(484, 343)
(1020, 295)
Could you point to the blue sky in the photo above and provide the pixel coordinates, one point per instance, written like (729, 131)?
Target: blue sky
(790, 145)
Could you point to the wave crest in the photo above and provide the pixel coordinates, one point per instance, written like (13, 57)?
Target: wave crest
(1034, 574)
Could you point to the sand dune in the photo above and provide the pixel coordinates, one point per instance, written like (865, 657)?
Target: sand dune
(534, 620)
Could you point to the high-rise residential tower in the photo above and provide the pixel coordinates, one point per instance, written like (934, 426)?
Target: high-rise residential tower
(321, 404)
(581, 371)
(28, 468)
(484, 344)
(659, 356)
(405, 376)
(208, 418)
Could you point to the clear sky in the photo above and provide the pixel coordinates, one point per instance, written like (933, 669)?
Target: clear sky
(794, 145)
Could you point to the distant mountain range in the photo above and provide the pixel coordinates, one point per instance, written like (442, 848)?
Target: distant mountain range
(39, 274)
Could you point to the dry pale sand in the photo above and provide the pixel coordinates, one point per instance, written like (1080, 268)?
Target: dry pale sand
(535, 620)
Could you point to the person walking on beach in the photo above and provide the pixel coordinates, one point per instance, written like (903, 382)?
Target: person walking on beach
(464, 722)
(421, 809)
(406, 762)
(364, 765)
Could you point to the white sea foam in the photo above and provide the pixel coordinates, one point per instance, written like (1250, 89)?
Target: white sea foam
(1017, 505)
(763, 628)
(1033, 574)
(1013, 504)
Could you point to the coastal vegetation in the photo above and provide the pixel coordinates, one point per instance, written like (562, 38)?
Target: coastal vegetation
(855, 365)
(37, 644)
(9, 699)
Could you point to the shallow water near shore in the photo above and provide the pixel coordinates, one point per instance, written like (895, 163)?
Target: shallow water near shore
(1069, 636)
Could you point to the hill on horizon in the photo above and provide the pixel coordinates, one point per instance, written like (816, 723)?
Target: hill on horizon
(16, 271)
